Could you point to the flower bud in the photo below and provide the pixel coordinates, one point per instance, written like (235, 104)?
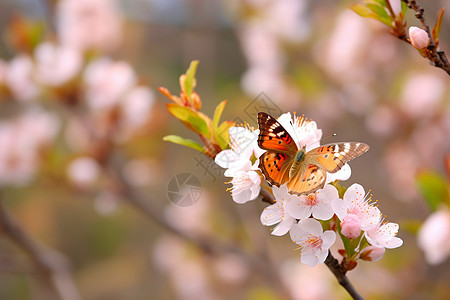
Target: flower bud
(372, 253)
(419, 37)
(351, 226)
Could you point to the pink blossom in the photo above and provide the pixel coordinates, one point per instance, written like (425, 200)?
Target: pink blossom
(246, 186)
(19, 78)
(89, 24)
(372, 253)
(277, 213)
(313, 242)
(21, 139)
(107, 82)
(317, 204)
(422, 94)
(357, 203)
(384, 235)
(434, 236)
(351, 226)
(305, 283)
(419, 37)
(83, 172)
(136, 106)
(56, 64)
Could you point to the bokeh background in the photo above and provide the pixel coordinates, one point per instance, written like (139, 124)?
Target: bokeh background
(82, 122)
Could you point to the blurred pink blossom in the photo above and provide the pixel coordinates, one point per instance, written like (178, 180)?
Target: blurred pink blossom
(187, 272)
(83, 172)
(55, 65)
(192, 219)
(434, 237)
(136, 107)
(107, 82)
(344, 49)
(19, 78)
(419, 37)
(288, 19)
(260, 47)
(422, 94)
(140, 172)
(89, 24)
(382, 121)
(307, 283)
(402, 164)
(231, 268)
(21, 140)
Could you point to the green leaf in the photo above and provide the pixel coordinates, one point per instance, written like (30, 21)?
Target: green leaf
(218, 113)
(362, 10)
(221, 134)
(190, 118)
(189, 81)
(367, 12)
(380, 14)
(433, 187)
(381, 3)
(437, 26)
(185, 142)
(404, 8)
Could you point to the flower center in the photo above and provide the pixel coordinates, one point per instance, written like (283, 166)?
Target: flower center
(315, 242)
(311, 200)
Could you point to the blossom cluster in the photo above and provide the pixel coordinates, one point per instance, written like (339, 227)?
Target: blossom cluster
(306, 216)
(105, 97)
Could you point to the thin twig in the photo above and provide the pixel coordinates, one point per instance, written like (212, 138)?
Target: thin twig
(332, 263)
(51, 264)
(339, 272)
(436, 57)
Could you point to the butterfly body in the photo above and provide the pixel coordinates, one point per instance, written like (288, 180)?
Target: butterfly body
(303, 171)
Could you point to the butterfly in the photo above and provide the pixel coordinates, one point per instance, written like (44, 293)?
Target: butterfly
(304, 171)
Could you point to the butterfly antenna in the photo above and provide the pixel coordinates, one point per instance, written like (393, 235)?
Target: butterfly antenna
(327, 137)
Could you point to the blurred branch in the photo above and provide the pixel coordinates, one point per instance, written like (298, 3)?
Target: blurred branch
(50, 263)
(209, 245)
(436, 57)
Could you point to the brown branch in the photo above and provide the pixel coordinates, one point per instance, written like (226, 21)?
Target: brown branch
(51, 264)
(339, 272)
(332, 263)
(207, 244)
(436, 57)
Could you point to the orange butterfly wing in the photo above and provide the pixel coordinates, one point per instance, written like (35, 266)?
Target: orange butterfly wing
(281, 148)
(333, 157)
(275, 167)
(311, 175)
(273, 137)
(307, 180)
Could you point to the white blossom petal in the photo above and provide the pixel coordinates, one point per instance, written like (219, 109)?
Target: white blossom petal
(283, 227)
